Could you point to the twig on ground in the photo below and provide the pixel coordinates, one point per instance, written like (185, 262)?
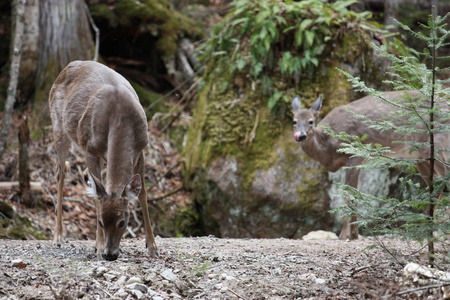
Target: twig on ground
(359, 270)
(417, 289)
(236, 294)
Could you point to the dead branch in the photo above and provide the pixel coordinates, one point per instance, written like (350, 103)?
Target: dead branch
(14, 185)
(185, 95)
(167, 194)
(435, 286)
(96, 30)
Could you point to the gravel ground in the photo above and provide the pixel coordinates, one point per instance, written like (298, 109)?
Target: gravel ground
(205, 268)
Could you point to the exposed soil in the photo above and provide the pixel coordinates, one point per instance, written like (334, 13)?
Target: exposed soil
(205, 268)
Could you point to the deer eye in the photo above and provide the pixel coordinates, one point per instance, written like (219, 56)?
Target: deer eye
(294, 122)
(121, 224)
(311, 122)
(100, 223)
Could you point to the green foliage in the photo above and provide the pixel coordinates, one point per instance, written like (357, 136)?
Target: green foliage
(423, 216)
(262, 40)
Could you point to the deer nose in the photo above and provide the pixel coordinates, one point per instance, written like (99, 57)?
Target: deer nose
(298, 136)
(110, 256)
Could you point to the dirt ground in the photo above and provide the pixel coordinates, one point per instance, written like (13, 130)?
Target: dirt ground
(207, 268)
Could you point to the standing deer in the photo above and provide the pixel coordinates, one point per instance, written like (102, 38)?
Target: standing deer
(97, 109)
(321, 147)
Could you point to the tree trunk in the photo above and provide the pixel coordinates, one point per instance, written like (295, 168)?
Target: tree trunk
(14, 73)
(29, 59)
(24, 169)
(391, 13)
(65, 36)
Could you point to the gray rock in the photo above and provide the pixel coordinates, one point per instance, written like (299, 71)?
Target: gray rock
(320, 235)
(137, 286)
(169, 275)
(134, 279)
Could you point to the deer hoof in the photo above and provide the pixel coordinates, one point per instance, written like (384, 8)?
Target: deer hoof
(154, 254)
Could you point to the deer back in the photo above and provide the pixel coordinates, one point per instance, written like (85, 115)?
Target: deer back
(100, 111)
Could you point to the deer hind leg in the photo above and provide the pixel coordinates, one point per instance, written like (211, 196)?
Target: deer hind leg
(93, 164)
(350, 231)
(149, 237)
(62, 144)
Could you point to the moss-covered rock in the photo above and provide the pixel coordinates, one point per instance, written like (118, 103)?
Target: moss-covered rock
(247, 175)
(14, 226)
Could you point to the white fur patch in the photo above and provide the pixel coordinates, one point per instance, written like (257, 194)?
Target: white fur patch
(91, 190)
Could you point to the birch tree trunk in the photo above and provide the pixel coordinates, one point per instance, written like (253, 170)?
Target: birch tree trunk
(14, 73)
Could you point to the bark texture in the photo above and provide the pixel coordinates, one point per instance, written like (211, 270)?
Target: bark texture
(65, 36)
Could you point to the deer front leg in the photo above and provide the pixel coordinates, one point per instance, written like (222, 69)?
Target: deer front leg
(350, 231)
(93, 164)
(149, 237)
(100, 234)
(58, 233)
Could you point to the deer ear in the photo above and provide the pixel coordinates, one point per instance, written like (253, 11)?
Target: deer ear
(133, 188)
(95, 187)
(296, 105)
(317, 105)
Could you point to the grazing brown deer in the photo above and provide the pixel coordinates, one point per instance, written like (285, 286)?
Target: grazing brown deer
(321, 147)
(97, 109)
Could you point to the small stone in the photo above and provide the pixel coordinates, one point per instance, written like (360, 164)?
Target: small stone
(175, 296)
(218, 286)
(168, 274)
(320, 281)
(150, 277)
(211, 276)
(121, 281)
(320, 235)
(109, 277)
(223, 276)
(311, 277)
(134, 279)
(99, 271)
(229, 277)
(181, 286)
(137, 293)
(121, 293)
(157, 298)
(137, 286)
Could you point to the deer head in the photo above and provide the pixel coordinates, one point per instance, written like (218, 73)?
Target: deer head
(304, 119)
(113, 212)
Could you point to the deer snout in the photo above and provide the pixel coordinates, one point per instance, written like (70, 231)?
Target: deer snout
(299, 136)
(110, 256)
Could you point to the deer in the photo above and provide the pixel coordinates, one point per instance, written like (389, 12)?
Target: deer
(321, 147)
(96, 108)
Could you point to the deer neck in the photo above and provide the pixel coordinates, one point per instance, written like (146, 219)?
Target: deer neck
(321, 147)
(120, 163)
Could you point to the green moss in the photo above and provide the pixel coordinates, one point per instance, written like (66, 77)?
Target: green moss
(147, 98)
(103, 11)
(14, 226)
